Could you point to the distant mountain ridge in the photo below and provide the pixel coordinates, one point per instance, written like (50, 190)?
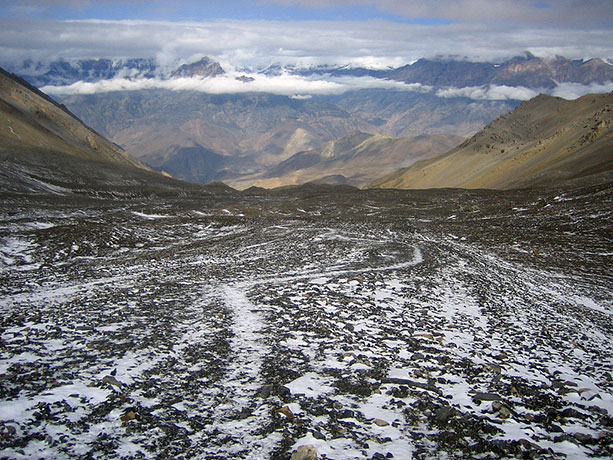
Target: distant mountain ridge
(546, 141)
(202, 136)
(205, 67)
(63, 72)
(527, 71)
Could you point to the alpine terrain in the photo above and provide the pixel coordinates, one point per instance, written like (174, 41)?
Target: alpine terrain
(148, 318)
(200, 122)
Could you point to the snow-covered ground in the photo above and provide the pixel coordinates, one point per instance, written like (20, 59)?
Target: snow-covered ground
(372, 327)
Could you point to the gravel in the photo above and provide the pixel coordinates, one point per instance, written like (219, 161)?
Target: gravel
(379, 324)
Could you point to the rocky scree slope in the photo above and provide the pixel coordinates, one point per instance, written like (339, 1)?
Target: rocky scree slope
(370, 324)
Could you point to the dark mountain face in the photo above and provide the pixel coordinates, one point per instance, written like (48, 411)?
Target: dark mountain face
(205, 67)
(63, 72)
(444, 73)
(528, 71)
(193, 164)
(255, 132)
(354, 159)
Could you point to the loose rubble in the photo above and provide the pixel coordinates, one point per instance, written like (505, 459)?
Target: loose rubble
(381, 324)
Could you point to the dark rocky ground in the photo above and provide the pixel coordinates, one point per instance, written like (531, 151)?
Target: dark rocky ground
(380, 324)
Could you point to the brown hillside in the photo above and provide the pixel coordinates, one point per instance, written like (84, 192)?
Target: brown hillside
(355, 159)
(545, 141)
(33, 121)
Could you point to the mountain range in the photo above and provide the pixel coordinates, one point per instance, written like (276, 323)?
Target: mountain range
(528, 71)
(546, 141)
(249, 138)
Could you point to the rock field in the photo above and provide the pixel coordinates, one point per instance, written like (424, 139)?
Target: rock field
(370, 325)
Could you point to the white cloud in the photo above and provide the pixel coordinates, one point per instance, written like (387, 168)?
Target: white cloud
(491, 93)
(568, 91)
(294, 86)
(259, 43)
(576, 13)
(300, 87)
(576, 90)
(519, 93)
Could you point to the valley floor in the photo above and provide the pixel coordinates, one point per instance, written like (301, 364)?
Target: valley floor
(379, 324)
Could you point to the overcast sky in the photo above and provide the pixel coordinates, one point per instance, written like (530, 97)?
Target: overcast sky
(239, 33)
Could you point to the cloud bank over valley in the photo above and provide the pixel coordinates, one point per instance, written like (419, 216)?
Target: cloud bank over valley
(303, 87)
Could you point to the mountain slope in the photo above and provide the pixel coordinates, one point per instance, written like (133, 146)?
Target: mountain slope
(192, 163)
(527, 71)
(46, 149)
(356, 159)
(545, 141)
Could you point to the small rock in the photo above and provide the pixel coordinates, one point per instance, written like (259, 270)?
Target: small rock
(130, 415)
(425, 335)
(563, 391)
(494, 369)
(599, 410)
(569, 412)
(306, 452)
(283, 391)
(286, 412)
(585, 438)
(444, 414)
(110, 380)
(555, 428)
(318, 435)
(273, 390)
(266, 391)
(502, 410)
(486, 397)
(564, 437)
(529, 445)
(380, 422)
